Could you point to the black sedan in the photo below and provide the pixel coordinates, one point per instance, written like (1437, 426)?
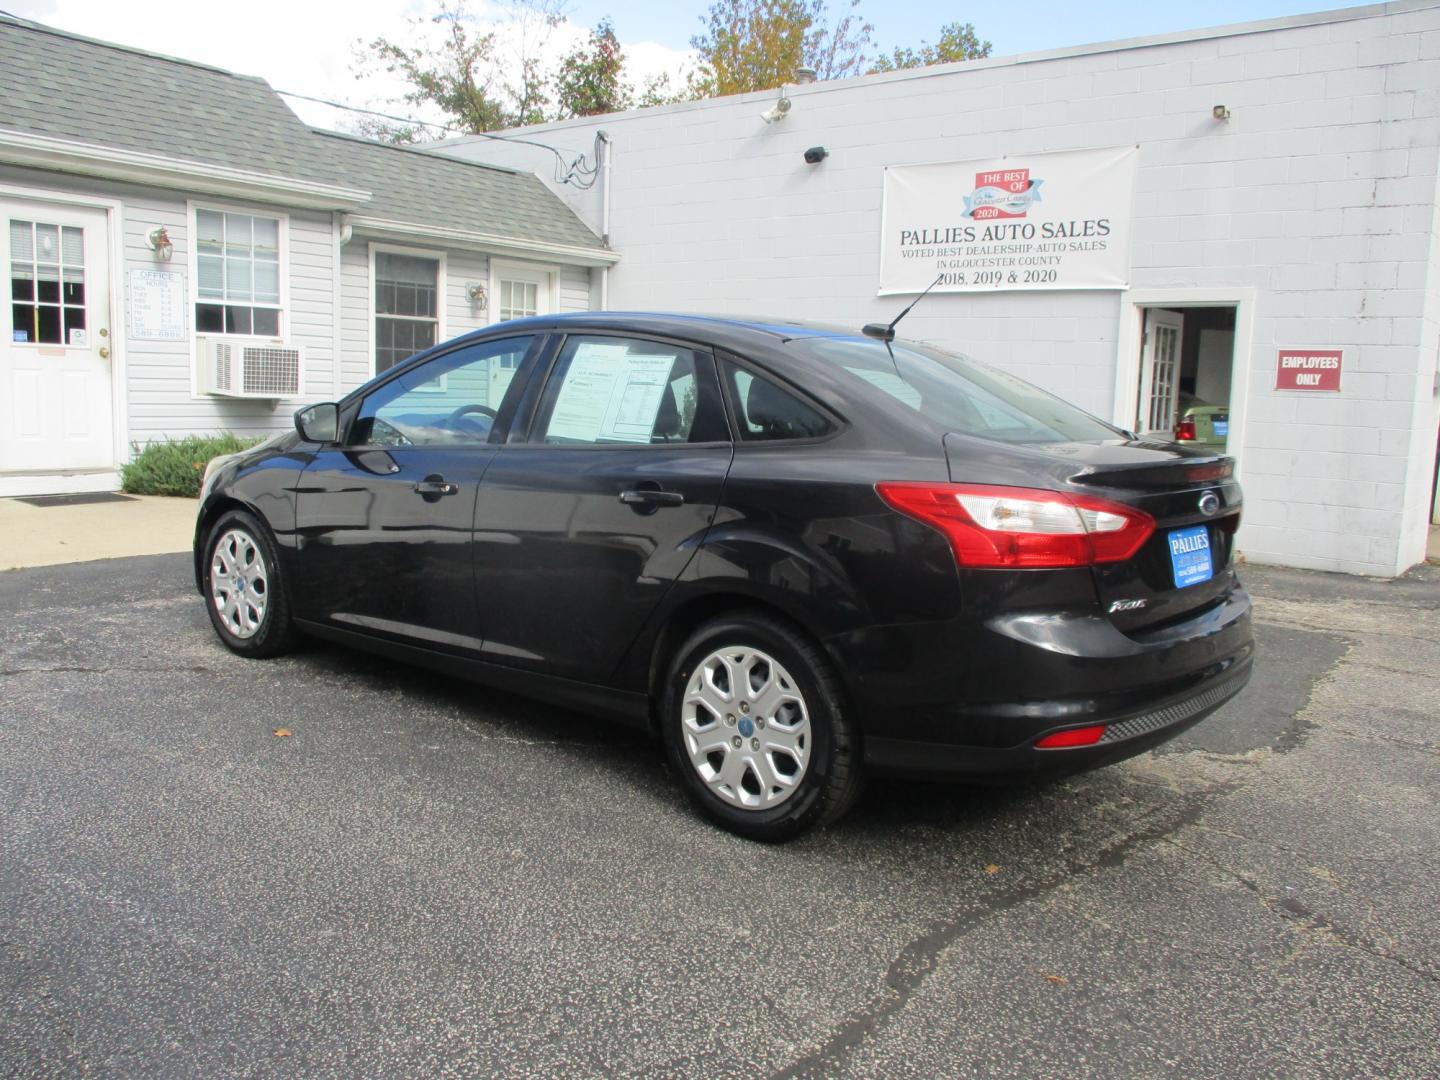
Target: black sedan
(797, 555)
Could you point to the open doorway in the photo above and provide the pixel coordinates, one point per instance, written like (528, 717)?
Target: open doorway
(1187, 365)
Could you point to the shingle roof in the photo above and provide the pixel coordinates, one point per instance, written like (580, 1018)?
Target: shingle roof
(415, 186)
(70, 87)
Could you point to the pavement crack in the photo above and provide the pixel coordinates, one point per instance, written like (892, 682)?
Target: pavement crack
(923, 955)
(1303, 853)
(1293, 911)
(1408, 744)
(1388, 669)
(73, 669)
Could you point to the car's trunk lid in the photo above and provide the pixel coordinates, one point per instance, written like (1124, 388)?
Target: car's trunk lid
(1167, 579)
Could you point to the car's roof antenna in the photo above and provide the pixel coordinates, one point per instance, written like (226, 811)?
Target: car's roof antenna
(887, 333)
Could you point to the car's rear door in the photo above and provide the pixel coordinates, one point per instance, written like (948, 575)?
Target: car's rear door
(384, 520)
(587, 516)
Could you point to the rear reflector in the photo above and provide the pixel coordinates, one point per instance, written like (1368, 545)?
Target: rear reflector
(1022, 528)
(1080, 736)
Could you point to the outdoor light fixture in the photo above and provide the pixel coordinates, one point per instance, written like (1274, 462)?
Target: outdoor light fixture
(475, 293)
(805, 75)
(159, 241)
(1221, 112)
(778, 111)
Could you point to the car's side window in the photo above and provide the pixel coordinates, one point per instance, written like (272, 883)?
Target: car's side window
(451, 400)
(627, 391)
(764, 411)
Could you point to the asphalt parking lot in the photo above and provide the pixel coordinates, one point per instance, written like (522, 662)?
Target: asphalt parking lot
(426, 878)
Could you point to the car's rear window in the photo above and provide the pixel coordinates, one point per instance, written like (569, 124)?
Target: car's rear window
(960, 394)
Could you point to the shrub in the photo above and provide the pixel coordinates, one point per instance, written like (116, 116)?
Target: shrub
(175, 466)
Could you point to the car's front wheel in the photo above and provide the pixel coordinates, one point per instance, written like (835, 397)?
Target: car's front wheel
(754, 719)
(244, 594)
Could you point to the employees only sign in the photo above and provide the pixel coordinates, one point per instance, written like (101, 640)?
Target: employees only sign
(1308, 369)
(1042, 221)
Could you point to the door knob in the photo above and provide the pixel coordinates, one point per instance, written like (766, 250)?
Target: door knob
(648, 498)
(104, 353)
(435, 485)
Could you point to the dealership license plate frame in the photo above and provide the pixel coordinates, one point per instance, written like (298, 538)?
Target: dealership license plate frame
(1190, 566)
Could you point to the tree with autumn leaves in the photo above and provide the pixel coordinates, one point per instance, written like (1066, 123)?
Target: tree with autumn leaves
(483, 80)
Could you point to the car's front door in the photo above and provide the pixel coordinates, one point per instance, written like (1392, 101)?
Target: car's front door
(583, 526)
(384, 519)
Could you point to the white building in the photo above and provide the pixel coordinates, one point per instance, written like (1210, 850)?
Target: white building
(1284, 199)
(184, 256)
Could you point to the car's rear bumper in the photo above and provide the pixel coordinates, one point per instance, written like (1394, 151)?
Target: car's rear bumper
(1125, 736)
(1033, 674)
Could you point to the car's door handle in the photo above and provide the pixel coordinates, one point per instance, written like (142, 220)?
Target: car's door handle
(435, 485)
(651, 497)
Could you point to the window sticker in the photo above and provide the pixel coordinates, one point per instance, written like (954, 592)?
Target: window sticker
(20, 335)
(610, 395)
(78, 337)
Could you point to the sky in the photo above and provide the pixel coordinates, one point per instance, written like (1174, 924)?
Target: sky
(305, 47)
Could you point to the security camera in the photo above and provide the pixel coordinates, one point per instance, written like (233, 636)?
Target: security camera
(777, 111)
(815, 155)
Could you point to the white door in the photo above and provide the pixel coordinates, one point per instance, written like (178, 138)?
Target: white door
(1160, 373)
(56, 411)
(517, 292)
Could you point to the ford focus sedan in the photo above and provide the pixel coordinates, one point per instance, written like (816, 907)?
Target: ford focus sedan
(797, 556)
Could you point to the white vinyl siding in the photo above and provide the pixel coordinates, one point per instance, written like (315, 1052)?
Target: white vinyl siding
(161, 399)
(575, 289)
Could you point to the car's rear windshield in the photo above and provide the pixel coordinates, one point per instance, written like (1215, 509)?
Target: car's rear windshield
(960, 394)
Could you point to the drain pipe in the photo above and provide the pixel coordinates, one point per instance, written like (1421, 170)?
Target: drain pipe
(604, 140)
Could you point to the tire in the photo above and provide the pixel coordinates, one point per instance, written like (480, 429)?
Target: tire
(252, 618)
(797, 764)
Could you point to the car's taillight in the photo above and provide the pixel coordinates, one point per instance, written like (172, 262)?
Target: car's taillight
(1022, 528)
(1185, 430)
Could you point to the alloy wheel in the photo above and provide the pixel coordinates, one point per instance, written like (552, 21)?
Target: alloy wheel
(746, 728)
(239, 583)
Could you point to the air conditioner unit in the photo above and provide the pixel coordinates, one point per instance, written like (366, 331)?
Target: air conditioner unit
(247, 368)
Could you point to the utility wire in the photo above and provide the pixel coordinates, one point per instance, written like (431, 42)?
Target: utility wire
(580, 172)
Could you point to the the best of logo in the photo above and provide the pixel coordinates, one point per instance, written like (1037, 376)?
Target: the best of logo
(1003, 193)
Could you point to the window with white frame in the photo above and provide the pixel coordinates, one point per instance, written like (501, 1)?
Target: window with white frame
(237, 273)
(407, 306)
(518, 299)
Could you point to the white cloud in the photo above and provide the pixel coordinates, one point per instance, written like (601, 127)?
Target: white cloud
(307, 48)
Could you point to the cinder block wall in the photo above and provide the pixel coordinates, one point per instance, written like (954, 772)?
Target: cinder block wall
(1319, 193)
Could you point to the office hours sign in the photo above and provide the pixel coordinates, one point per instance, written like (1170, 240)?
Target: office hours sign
(1040, 221)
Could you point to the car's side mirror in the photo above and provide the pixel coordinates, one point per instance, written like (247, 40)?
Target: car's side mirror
(319, 423)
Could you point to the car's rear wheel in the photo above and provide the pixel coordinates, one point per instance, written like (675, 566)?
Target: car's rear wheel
(755, 722)
(245, 596)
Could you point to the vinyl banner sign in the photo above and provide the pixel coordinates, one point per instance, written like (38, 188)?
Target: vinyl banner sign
(1042, 221)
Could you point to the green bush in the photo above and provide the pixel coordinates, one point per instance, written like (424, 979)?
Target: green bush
(175, 466)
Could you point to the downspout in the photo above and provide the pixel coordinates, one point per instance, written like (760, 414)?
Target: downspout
(604, 141)
(339, 236)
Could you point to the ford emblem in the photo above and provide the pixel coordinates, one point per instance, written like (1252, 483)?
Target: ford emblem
(1209, 503)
